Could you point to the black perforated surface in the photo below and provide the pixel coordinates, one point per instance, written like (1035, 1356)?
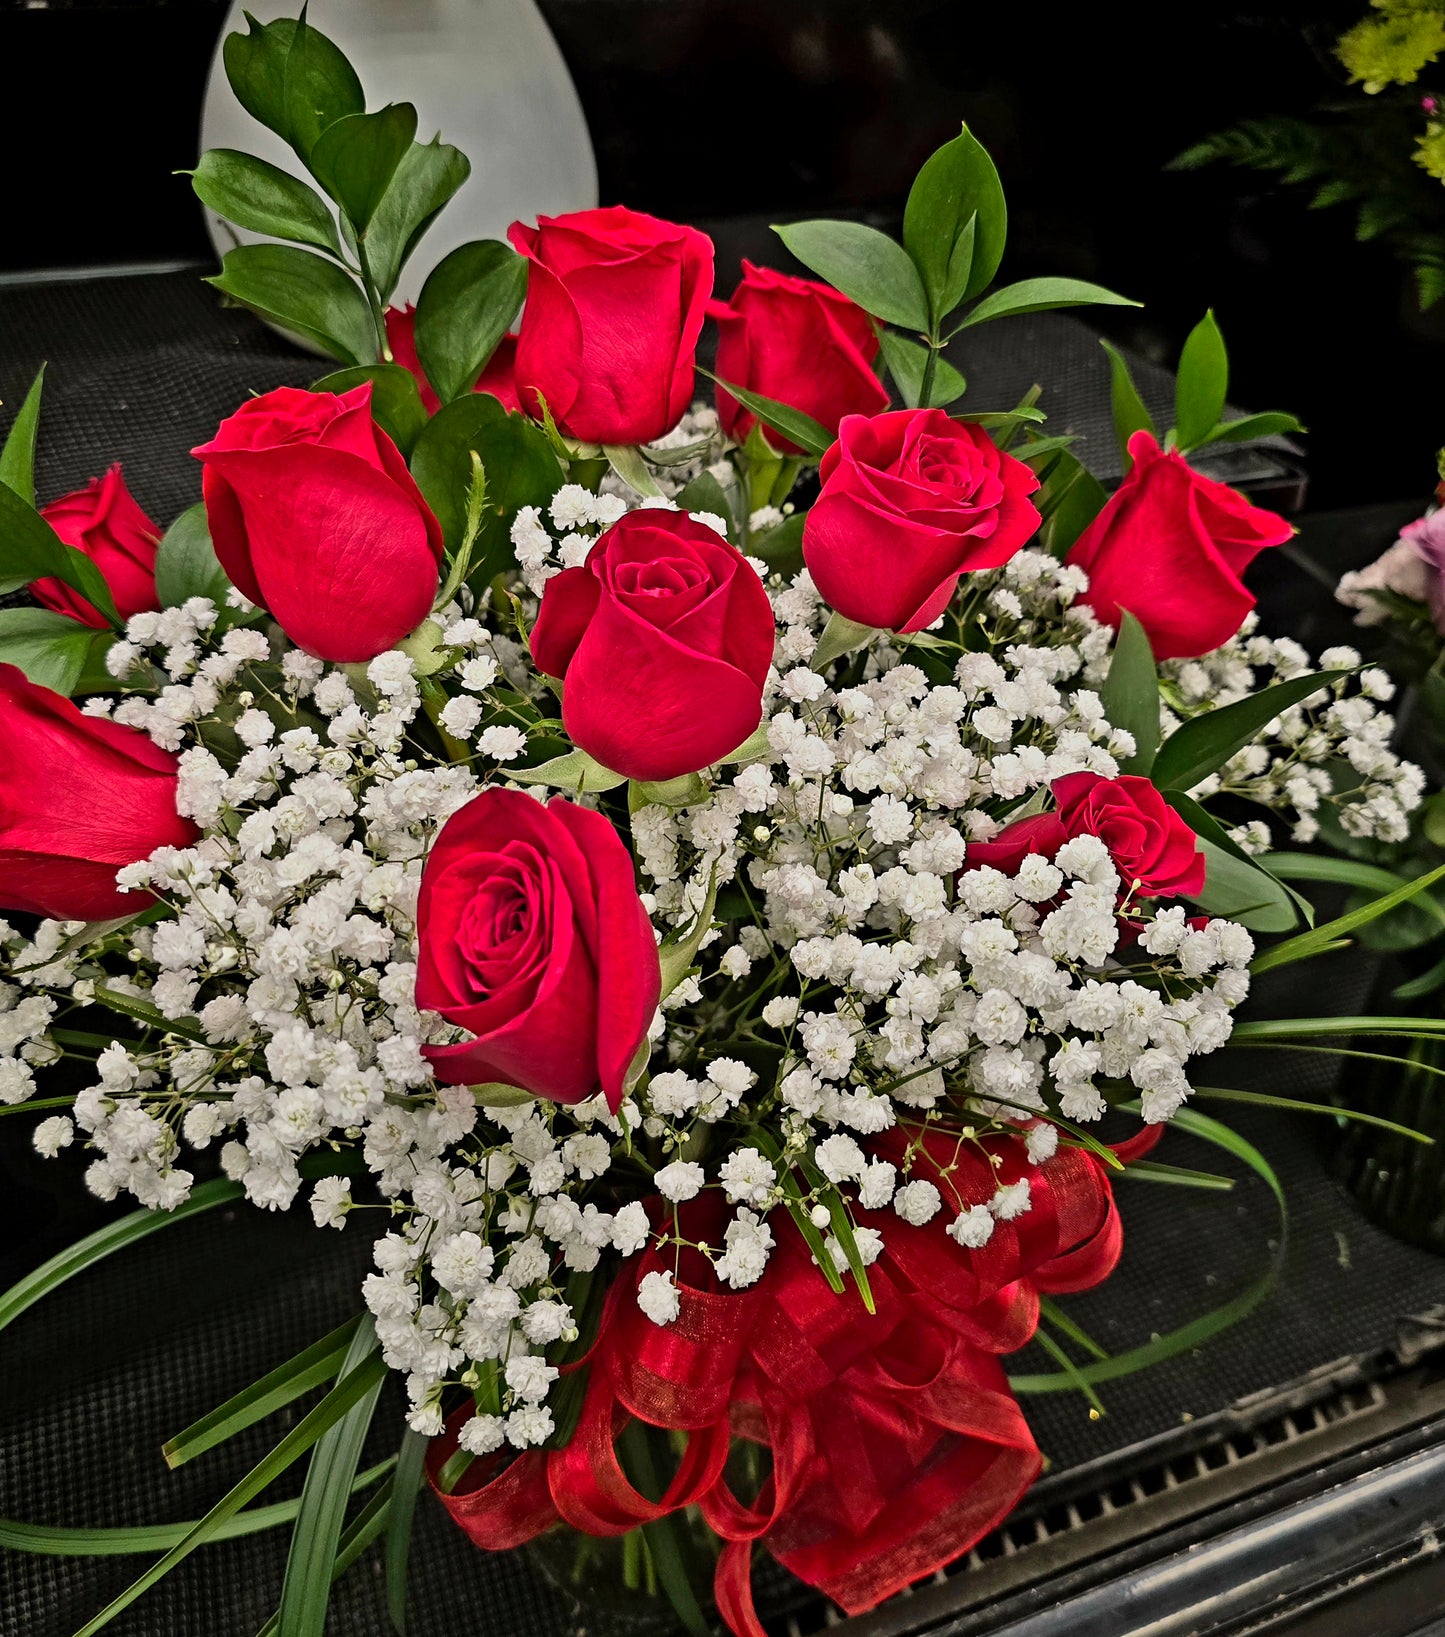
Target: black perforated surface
(92, 1381)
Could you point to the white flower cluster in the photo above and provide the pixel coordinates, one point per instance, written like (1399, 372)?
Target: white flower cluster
(857, 977)
(1329, 755)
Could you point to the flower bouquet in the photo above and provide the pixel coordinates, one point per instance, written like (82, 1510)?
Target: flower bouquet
(722, 891)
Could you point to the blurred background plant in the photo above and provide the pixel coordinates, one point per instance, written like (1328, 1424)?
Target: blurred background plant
(1379, 149)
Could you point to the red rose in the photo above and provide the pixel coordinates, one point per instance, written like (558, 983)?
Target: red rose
(910, 501)
(80, 798)
(664, 636)
(801, 343)
(615, 304)
(532, 937)
(314, 514)
(1170, 547)
(1155, 852)
(104, 522)
(496, 378)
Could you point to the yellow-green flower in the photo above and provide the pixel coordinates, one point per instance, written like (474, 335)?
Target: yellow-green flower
(1430, 151)
(1391, 50)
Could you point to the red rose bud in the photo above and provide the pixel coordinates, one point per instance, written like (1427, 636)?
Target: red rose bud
(104, 522)
(496, 378)
(1170, 547)
(800, 343)
(80, 798)
(532, 936)
(910, 501)
(1155, 852)
(664, 637)
(313, 514)
(615, 304)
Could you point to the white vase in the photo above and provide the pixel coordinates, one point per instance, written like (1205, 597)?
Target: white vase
(486, 74)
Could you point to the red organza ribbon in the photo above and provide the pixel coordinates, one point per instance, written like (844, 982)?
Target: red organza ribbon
(895, 1441)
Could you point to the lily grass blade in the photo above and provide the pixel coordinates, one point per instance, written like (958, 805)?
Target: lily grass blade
(1317, 938)
(1261, 1099)
(106, 1241)
(314, 1365)
(347, 1392)
(316, 1539)
(47, 1540)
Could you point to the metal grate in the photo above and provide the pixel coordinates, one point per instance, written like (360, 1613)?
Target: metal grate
(1116, 1507)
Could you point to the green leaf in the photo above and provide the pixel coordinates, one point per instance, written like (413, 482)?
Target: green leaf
(318, 87)
(906, 360)
(17, 456)
(798, 1208)
(465, 308)
(427, 177)
(576, 772)
(410, 1476)
(31, 550)
(264, 199)
(1208, 828)
(304, 293)
(48, 1540)
(781, 548)
(1203, 744)
(256, 68)
(311, 1367)
(186, 564)
(306, 1589)
(396, 404)
(1130, 694)
(351, 1389)
(705, 494)
(1201, 384)
(629, 465)
(1270, 424)
(359, 1535)
(1260, 1099)
(1130, 415)
(1042, 295)
(1418, 922)
(85, 1253)
(1312, 942)
(1235, 889)
(521, 469)
(840, 636)
(686, 790)
(955, 222)
(356, 157)
(1070, 499)
(677, 950)
(141, 1011)
(1197, 1331)
(864, 264)
(52, 649)
(810, 436)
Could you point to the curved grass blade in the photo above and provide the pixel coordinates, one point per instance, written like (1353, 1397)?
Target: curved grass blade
(1071, 1372)
(104, 1242)
(1306, 944)
(1179, 1175)
(1260, 1099)
(316, 1539)
(1311, 1028)
(314, 1365)
(410, 1475)
(43, 1539)
(1208, 1325)
(1060, 1320)
(347, 1392)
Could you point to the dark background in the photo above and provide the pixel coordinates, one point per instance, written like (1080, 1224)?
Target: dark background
(713, 110)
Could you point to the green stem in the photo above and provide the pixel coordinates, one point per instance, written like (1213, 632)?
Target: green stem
(930, 365)
(373, 300)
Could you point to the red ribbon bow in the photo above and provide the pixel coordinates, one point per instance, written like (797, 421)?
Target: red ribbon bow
(896, 1442)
